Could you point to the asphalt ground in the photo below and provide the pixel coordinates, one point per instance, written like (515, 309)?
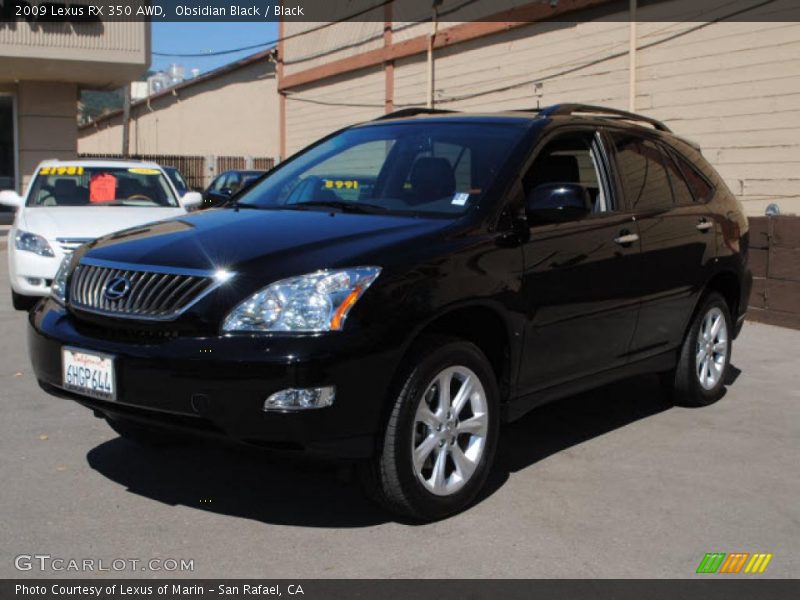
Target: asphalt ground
(615, 483)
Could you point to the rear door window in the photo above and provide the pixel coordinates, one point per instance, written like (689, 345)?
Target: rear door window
(644, 177)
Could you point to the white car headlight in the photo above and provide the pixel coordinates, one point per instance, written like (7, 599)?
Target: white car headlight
(58, 289)
(31, 242)
(315, 302)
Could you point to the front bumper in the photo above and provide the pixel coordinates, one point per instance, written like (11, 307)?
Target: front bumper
(216, 386)
(26, 266)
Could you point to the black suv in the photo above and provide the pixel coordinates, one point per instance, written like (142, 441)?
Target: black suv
(394, 292)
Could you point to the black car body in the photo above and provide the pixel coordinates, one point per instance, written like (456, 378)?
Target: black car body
(548, 299)
(228, 184)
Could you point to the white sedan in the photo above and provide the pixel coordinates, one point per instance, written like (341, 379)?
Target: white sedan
(70, 203)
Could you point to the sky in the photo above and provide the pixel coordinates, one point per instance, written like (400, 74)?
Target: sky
(196, 37)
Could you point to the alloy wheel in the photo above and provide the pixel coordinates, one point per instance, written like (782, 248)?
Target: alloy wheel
(712, 349)
(450, 429)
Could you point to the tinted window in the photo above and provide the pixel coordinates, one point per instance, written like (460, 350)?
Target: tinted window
(569, 158)
(680, 189)
(429, 168)
(701, 189)
(234, 182)
(219, 182)
(641, 169)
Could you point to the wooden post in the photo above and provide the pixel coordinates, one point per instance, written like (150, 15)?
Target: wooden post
(126, 120)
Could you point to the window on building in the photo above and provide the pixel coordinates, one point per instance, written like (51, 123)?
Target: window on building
(7, 146)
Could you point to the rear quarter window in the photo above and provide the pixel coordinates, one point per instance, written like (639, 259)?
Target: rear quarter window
(699, 174)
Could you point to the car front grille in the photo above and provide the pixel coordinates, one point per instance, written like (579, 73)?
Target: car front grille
(151, 294)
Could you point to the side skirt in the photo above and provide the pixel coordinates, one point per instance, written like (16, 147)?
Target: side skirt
(518, 407)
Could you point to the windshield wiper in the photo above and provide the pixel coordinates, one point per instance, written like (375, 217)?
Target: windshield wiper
(356, 207)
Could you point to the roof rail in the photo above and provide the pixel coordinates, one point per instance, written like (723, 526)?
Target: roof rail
(413, 111)
(571, 109)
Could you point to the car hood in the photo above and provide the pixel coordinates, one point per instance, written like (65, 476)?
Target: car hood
(264, 243)
(88, 222)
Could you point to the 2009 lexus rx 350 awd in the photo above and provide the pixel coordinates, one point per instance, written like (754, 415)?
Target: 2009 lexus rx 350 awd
(394, 292)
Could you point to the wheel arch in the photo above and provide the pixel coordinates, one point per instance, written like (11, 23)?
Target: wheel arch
(481, 324)
(728, 285)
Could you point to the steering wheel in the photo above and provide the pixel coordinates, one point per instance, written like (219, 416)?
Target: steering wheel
(139, 197)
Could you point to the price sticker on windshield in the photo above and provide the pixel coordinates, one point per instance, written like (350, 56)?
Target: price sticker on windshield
(348, 184)
(61, 171)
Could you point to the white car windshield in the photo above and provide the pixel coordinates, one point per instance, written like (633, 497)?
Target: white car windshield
(101, 186)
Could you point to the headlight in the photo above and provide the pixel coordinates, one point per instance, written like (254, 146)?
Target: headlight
(315, 302)
(30, 242)
(59, 288)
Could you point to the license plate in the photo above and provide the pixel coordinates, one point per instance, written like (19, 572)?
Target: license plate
(88, 373)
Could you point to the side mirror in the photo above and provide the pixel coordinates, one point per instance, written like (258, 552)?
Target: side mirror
(191, 200)
(557, 203)
(10, 198)
(228, 192)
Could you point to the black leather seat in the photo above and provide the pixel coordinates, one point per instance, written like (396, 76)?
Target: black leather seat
(67, 193)
(431, 179)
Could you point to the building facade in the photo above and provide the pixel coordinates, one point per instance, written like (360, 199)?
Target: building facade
(231, 111)
(42, 68)
(726, 75)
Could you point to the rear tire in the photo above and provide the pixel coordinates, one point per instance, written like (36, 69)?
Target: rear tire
(150, 437)
(699, 378)
(437, 448)
(22, 302)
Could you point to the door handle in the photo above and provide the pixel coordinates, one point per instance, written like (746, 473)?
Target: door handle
(704, 225)
(626, 239)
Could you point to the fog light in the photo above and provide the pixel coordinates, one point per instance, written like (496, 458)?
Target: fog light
(34, 281)
(301, 399)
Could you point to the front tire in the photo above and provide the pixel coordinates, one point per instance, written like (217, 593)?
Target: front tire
(699, 378)
(440, 441)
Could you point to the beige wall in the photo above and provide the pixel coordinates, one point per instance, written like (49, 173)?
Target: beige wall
(103, 54)
(46, 124)
(733, 87)
(308, 121)
(235, 114)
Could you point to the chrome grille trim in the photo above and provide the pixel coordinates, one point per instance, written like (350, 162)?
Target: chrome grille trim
(156, 293)
(69, 245)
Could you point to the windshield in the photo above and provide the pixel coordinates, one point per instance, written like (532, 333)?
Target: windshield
(436, 169)
(248, 178)
(101, 186)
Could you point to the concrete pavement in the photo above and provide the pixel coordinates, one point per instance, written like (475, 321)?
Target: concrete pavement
(613, 483)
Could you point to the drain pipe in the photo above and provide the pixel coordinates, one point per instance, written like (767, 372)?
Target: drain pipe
(632, 59)
(431, 42)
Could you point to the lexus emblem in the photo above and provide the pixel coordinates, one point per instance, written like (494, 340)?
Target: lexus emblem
(117, 288)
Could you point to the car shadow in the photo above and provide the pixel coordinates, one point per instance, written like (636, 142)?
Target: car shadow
(553, 427)
(239, 481)
(247, 483)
